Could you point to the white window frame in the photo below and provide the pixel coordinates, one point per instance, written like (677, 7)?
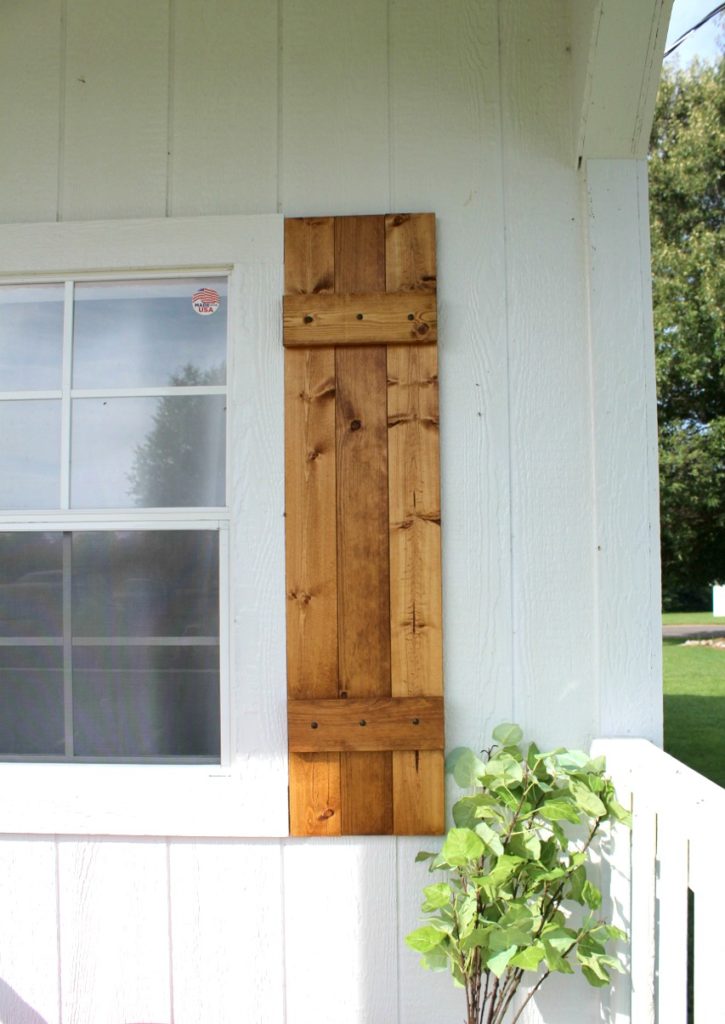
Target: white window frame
(246, 794)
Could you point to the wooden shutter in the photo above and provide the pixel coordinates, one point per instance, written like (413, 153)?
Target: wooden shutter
(363, 526)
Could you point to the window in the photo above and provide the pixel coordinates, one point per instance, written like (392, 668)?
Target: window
(141, 528)
(114, 399)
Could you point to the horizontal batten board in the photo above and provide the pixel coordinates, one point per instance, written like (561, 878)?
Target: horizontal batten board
(196, 242)
(375, 723)
(363, 319)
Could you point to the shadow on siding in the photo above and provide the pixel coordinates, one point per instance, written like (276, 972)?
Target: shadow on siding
(14, 1010)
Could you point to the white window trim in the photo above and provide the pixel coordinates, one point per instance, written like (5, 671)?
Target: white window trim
(246, 795)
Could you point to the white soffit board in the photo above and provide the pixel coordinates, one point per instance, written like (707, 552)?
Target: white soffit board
(615, 90)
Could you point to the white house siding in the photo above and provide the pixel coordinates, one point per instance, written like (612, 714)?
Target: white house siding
(150, 108)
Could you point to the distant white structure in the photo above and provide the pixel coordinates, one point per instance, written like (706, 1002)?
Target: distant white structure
(718, 599)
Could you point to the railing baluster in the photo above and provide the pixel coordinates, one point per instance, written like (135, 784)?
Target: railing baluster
(672, 849)
(705, 857)
(642, 929)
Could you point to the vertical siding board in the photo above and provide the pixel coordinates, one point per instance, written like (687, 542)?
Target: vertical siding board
(29, 941)
(624, 419)
(340, 931)
(116, 110)
(550, 407)
(446, 156)
(334, 130)
(226, 932)
(426, 997)
(224, 107)
(114, 931)
(30, 63)
(414, 513)
(362, 526)
(310, 489)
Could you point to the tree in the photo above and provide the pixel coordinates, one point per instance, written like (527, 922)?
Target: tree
(181, 460)
(687, 207)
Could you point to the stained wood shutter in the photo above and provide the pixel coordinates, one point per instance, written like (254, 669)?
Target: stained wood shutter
(364, 663)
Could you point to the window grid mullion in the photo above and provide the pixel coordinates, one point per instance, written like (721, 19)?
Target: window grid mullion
(66, 381)
(67, 646)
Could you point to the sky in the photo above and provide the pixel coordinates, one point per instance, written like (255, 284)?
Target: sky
(704, 42)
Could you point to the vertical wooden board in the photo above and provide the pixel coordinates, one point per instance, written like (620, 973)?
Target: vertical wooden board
(553, 526)
(341, 938)
(116, 110)
(418, 792)
(362, 523)
(29, 991)
(30, 61)
(362, 526)
(224, 107)
(410, 252)
(359, 254)
(114, 931)
(414, 513)
(414, 510)
(310, 475)
(444, 85)
(363, 573)
(226, 932)
(315, 795)
(309, 255)
(334, 114)
(310, 499)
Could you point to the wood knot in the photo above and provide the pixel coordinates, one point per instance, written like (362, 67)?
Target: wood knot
(312, 455)
(422, 329)
(301, 596)
(326, 814)
(355, 425)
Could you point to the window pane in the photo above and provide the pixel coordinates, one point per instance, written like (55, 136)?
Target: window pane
(30, 454)
(31, 701)
(31, 587)
(146, 701)
(163, 340)
(31, 337)
(148, 452)
(145, 584)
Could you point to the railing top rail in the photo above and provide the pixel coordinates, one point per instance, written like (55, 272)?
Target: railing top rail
(660, 780)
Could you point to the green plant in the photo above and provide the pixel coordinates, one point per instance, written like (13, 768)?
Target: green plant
(517, 898)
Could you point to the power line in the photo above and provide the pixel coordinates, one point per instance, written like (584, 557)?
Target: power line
(718, 10)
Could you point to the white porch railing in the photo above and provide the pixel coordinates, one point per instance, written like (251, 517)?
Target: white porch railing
(677, 844)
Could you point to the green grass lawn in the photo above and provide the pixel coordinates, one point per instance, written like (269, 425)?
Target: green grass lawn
(694, 696)
(691, 619)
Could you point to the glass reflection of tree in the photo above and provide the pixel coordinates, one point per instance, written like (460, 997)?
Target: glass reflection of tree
(173, 459)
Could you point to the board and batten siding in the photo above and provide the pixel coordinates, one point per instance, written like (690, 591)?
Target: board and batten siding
(154, 108)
